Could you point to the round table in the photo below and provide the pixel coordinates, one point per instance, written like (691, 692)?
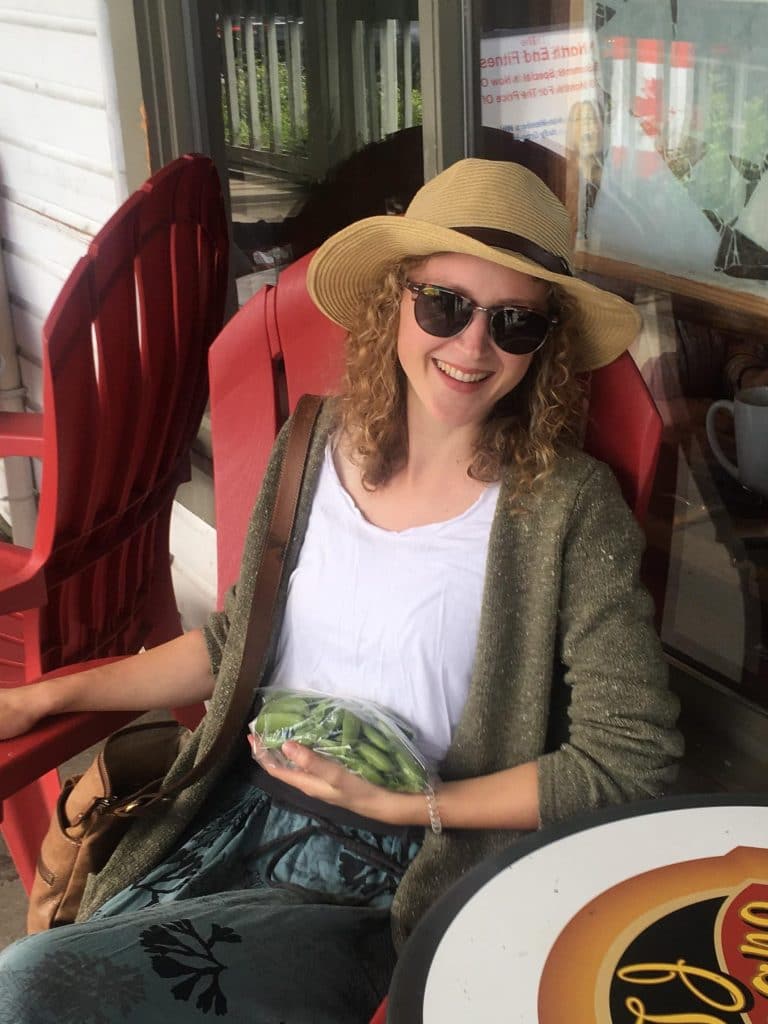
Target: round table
(619, 916)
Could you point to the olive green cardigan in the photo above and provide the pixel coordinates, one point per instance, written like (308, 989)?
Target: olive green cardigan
(568, 672)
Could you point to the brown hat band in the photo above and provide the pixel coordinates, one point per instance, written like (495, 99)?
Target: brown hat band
(516, 243)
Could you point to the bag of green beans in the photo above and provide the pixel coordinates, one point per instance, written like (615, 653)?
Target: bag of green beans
(363, 736)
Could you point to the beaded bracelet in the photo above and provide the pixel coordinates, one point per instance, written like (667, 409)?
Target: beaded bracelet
(434, 811)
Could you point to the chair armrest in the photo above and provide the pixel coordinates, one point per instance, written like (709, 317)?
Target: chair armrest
(56, 739)
(22, 579)
(21, 433)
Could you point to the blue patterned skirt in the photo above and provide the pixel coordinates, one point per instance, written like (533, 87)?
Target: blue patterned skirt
(263, 914)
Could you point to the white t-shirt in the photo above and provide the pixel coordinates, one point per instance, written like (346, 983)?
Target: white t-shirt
(388, 616)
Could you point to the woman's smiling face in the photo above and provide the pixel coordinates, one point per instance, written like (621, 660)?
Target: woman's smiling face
(457, 381)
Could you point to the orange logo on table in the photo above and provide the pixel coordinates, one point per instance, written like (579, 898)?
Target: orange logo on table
(683, 944)
(744, 943)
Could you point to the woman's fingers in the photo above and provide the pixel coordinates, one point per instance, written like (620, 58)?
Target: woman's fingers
(315, 770)
(300, 756)
(322, 767)
(324, 778)
(312, 773)
(260, 753)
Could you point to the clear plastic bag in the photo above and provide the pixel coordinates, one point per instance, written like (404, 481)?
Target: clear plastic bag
(363, 736)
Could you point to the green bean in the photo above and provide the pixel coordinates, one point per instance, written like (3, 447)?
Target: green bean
(377, 737)
(275, 721)
(308, 734)
(336, 751)
(350, 728)
(412, 774)
(369, 772)
(370, 748)
(286, 703)
(375, 757)
(334, 720)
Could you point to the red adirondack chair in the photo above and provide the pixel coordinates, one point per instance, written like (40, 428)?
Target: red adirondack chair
(278, 347)
(125, 385)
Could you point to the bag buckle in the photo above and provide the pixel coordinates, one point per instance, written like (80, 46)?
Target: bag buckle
(100, 805)
(138, 803)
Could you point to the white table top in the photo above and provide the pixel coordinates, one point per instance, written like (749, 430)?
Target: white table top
(482, 951)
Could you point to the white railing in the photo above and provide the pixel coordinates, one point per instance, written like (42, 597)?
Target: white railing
(264, 91)
(354, 81)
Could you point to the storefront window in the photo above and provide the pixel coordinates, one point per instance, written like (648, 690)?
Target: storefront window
(321, 106)
(651, 119)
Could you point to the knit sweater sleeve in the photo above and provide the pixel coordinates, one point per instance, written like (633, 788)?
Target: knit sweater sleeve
(622, 741)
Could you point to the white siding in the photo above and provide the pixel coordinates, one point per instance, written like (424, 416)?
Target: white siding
(56, 177)
(25, 227)
(61, 176)
(73, 9)
(41, 51)
(28, 327)
(68, 127)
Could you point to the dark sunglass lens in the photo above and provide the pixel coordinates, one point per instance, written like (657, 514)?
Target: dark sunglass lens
(441, 312)
(518, 331)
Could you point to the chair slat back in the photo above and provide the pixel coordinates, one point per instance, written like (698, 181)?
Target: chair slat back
(278, 347)
(125, 377)
(624, 429)
(245, 419)
(312, 346)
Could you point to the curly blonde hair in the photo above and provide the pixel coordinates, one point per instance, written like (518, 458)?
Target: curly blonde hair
(527, 429)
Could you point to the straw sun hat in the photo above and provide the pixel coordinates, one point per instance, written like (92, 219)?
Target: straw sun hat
(499, 211)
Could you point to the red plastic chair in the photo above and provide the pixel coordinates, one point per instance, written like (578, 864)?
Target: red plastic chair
(380, 1017)
(125, 385)
(624, 429)
(278, 347)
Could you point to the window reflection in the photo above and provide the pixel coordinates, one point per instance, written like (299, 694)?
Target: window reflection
(665, 149)
(708, 532)
(685, 106)
(321, 106)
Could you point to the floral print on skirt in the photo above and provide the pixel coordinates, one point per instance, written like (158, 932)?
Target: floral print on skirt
(262, 914)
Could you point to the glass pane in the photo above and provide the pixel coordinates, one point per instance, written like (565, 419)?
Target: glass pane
(321, 106)
(650, 119)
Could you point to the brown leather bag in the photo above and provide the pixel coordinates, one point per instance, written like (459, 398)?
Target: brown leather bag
(95, 809)
(88, 824)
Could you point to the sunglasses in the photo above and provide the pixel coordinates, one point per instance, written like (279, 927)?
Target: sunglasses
(444, 313)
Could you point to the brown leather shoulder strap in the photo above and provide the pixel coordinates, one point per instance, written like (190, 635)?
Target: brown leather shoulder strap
(262, 609)
(270, 571)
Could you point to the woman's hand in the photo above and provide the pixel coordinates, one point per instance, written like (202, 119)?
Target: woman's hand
(172, 674)
(500, 800)
(19, 711)
(325, 779)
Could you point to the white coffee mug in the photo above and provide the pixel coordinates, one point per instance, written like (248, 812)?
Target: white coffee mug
(750, 413)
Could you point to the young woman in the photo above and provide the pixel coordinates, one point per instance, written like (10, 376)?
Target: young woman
(455, 558)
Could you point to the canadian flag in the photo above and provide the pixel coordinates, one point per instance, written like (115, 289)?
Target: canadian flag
(647, 105)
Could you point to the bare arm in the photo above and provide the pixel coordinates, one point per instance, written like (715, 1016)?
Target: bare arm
(174, 674)
(505, 799)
